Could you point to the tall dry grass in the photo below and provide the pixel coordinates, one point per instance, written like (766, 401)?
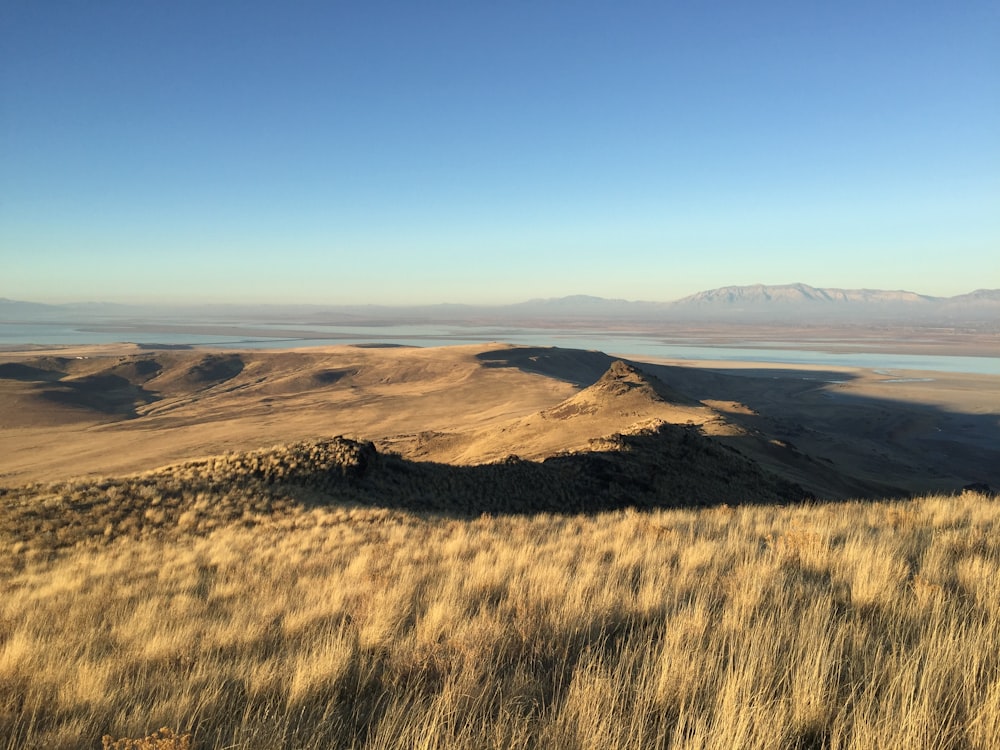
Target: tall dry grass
(865, 626)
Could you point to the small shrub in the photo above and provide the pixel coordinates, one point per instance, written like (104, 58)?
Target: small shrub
(162, 739)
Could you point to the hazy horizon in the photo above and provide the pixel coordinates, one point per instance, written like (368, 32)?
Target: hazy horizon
(581, 297)
(395, 154)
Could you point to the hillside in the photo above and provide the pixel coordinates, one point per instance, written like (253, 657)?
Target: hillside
(661, 467)
(637, 570)
(623, 398)
(118, 410)
(320, 626)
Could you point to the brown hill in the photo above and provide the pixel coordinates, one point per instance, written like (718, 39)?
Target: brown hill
(117, 410)
(112, 410)
(624, 399)
(625, 389)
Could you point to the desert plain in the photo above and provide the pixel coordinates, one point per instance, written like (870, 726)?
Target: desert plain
(493, 546)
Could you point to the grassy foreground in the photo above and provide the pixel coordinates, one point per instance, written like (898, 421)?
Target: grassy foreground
(868, 626)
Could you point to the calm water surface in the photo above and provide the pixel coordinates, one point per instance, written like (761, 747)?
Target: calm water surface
(636, 345)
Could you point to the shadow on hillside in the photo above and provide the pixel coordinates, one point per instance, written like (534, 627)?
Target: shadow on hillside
(582, 368)
(27, 373)
(672, 467)
(810, 431)
(886, 443)
(669, 467)
(213, 369)
(106, 394)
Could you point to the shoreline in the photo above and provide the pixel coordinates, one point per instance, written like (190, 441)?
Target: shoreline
(826, 339)
(695, 351)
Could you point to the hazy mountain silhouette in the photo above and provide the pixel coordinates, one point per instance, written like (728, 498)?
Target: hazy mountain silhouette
(752, 303)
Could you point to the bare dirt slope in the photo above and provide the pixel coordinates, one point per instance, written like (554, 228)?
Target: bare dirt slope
(624, 398)
(108, 410)
(121, 409)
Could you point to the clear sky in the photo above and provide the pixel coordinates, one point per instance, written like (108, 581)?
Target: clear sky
(473, 151)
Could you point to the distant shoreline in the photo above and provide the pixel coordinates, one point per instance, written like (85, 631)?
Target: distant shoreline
(896, 348)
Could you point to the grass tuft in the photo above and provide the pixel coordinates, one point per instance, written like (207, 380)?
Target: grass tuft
(162, 739)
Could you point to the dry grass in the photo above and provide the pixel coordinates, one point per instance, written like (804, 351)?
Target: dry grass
(663, 465)
(830, 626)
(162, 739)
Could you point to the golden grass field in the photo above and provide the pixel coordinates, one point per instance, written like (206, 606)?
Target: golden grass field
(431, 591)
(859, 625)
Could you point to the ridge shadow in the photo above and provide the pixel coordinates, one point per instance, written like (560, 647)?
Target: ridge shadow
(666, 467)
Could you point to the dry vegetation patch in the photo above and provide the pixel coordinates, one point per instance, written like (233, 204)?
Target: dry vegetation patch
(662, 465)
(826, 626)
(162, 739)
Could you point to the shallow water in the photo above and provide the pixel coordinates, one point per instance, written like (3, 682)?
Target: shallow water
(621, 343)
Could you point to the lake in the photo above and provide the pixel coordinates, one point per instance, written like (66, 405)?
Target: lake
(272, 336)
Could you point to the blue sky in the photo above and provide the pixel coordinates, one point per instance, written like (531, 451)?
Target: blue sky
(382, 152)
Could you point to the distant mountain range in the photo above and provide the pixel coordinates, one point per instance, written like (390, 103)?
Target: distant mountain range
(788, 302)
(761, 301)
(795, 294)
(758, 303)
